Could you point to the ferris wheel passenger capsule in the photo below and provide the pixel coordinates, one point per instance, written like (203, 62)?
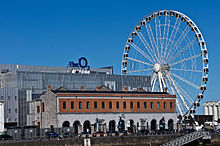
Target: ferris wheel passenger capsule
(205, 60)
(143, 23)
(202, 44)
(206, 70)
(127, 47)
(178, 16)
(205, 79)
(183, 19)
(124, 71)
(166, 13)
(134, 34)
(138, 28)
(198, 36)
(187, 117)
(192, 111)
(148, 19)
(203, 87)
(125, 55)
(194, 29)
(196, 104)
(130, 40)
(200, 96)
(204, 52)
(172, 14)
(160, 14)
(189, 23)
(124, 63)
(154, 16)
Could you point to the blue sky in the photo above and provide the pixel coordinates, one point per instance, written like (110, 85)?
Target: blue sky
(41, 32)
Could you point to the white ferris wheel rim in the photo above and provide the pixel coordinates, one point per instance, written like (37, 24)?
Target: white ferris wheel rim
(155, 67)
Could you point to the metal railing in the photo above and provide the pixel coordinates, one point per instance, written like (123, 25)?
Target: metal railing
(188, 138)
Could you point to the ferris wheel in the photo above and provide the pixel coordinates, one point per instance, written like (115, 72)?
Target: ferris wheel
(168, 46)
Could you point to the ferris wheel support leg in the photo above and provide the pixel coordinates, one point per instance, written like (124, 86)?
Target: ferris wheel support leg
(154, 82)
(160, 81)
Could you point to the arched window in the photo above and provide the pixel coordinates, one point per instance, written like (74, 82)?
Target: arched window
(66, 124)
(170, 124)
(153, 124)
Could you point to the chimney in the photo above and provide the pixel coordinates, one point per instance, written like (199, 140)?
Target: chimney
(125, 88)
(48, 88)
(97, 88)
(82, 88)
(165, 89)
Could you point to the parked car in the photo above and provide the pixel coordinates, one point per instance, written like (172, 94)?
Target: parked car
(100, 133)
(67, 135)
(6, 137)
(83, 133)
(52, 135)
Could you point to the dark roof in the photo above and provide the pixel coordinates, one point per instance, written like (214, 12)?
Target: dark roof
(94, 91)
(104, 89)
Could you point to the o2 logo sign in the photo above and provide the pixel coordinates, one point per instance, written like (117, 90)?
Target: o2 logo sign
(82, 62)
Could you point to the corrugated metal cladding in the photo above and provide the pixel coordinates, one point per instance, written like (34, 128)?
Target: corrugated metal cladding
(32, 81)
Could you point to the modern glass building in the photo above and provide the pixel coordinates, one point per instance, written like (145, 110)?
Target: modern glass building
(20, 84)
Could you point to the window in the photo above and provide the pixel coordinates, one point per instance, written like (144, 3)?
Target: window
(64, 104)
(164, 105)
(87, 104)
(8, 97)
(72, 104)
(95, 105)
(117, 105)
(16, 110)
(38, 109)
(124, 105)
(151, 105)
(80, 105)
(15, 98)
(9, 110)
(145, 105)
(131, 105)
(138, 104)
(171, 105)
(158, 105)
(110, 105)
(42, 106)
(103, 105)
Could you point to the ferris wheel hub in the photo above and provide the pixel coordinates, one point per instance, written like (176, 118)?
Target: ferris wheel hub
(156, 67)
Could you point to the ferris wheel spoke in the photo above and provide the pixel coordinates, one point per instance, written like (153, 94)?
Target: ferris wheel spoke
(147, 46)
(184, 80)
(187, 59)
(172, 36)
(153, 81)
(139, 61)
(188, 98)
(179, 107)
(152, 40)
(179, 41)
(181, 51)
(143, 70)
(158, 34)
(170, 85)
(179, 92)
(165, 35)
(141, 52)
(186, 70)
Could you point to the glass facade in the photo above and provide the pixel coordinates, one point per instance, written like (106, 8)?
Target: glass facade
(30, 82)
